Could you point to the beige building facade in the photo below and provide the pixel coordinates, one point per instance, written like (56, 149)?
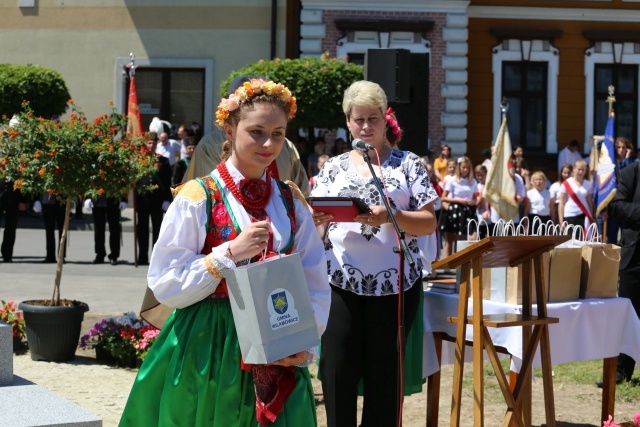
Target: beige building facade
(183, 49)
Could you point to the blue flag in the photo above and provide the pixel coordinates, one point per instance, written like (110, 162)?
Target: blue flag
(605, 181)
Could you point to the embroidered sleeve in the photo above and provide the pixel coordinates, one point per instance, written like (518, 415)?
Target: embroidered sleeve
(216, 261)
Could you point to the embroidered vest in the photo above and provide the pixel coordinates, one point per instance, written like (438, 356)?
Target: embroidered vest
(222, 225)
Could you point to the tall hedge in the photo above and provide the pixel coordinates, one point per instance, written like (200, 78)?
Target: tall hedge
(317, 83)
(43, 88)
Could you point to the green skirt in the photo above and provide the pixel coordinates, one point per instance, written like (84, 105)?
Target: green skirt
(192, 377)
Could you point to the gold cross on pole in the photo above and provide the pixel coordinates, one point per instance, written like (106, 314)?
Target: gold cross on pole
(611, 99)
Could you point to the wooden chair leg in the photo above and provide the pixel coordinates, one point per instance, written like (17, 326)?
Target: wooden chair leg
(609, 367)
(433, 385)
(461, 331)
(547, 378)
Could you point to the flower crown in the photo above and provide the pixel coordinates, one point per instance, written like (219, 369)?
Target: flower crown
(393, 124)
(251, 89)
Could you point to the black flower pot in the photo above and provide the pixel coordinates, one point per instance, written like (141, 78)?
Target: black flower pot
(53, 332)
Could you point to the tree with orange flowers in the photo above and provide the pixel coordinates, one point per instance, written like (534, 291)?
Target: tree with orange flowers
(71, 159)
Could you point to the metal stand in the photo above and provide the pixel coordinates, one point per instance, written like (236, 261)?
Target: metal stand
(404, 253)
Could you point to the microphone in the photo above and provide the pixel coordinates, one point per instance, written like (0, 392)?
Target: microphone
(359, 144)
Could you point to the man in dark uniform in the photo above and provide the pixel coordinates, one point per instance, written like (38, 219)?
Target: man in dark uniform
(152, 203)
(626, 208)
(106, 210)
(9, 206)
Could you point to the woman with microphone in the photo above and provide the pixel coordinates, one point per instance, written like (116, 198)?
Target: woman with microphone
(361, 337)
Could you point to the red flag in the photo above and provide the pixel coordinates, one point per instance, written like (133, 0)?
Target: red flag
(134, 120)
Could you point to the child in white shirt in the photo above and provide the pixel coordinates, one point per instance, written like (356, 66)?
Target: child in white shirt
(539, 199)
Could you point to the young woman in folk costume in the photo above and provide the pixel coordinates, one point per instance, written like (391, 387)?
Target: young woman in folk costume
(576, 202)
(194, 375)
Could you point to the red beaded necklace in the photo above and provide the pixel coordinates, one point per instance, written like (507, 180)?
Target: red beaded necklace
(251, 203)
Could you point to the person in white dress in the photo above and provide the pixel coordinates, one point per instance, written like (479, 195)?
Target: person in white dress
(539, 199)
(565, 173)
(461, 193)
(576, 198)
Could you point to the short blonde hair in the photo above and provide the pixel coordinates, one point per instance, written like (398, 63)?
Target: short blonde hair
(539, 174)
(364, 93)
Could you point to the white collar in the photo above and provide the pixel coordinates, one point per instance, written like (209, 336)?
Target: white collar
(236, 175)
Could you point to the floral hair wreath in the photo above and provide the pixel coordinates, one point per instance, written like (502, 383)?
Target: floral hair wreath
(393, 124)
(251, 89)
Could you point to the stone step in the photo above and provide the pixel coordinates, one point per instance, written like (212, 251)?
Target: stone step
(6, 354)
(25, 404)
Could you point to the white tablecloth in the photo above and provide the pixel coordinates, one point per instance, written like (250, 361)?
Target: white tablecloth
(588, 330)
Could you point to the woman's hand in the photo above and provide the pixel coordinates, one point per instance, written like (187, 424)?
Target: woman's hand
(294, 360)
(251, 241)
(376, 217)
(320, 218)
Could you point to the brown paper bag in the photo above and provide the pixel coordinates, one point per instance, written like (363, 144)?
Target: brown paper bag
(600, 265)
(514, 285)
(153, 312)
(564, 266)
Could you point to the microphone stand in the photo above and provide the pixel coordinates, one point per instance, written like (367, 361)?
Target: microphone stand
(404, 252)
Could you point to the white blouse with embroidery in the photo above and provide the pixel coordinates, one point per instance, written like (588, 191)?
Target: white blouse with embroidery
(360, 257)
(178, 273)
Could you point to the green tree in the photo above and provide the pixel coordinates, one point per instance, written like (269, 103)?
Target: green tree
(317, 83)
(67, 160)
(43, 88)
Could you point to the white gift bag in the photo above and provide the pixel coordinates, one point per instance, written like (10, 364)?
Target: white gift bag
(271, 309)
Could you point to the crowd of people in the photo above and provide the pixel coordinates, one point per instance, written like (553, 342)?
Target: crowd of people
(242, 200)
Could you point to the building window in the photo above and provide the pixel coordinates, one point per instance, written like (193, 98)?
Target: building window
(624, 79)
(178, 90)
(524, 84)
(616, 64)
(526, 72)
(173, 94)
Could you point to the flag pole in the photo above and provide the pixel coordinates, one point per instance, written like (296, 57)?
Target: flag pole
(132, 72)
(610, 100)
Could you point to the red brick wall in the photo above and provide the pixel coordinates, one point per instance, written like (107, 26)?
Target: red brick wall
(438, 48)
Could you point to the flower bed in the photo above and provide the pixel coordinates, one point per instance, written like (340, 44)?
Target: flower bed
(120, 340)
(634, 423)
(10, 315)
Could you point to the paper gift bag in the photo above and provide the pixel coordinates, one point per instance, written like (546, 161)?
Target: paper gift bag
(514, 285)
(271, 309)
(564, 266)
(486, 291)
(600, 264)
(496, 280)
(493, 279)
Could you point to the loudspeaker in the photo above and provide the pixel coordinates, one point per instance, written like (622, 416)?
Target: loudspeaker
(413, 117)
(390, 68)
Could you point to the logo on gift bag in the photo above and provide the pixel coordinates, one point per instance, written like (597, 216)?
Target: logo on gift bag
(282, 310)
(279, 301)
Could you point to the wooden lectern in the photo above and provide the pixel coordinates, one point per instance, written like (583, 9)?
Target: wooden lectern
(509, 251)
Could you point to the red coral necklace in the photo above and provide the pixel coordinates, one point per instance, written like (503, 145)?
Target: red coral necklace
(255, 193)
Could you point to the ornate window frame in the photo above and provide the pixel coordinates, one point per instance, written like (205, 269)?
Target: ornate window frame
(605, 52)
(510, 49)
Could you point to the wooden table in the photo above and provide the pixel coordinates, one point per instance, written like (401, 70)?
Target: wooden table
(490, 252)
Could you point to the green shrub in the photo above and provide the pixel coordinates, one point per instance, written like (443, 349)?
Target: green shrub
(317, 83)
(43, 88)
